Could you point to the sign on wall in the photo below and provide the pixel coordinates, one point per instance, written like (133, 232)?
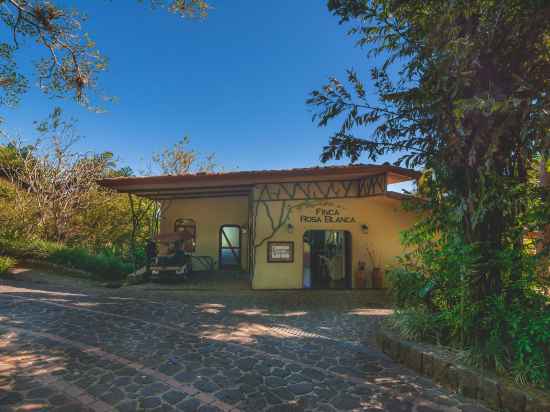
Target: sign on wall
(327, 215)
(280, 252)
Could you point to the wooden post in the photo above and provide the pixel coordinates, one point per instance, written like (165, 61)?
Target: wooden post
(134, 230)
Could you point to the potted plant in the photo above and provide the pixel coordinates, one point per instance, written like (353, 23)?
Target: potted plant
(361, 275)
(377, 275)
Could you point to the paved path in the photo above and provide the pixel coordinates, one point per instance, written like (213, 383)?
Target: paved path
(126, 350)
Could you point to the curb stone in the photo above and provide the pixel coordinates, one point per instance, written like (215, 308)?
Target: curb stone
(492, 391)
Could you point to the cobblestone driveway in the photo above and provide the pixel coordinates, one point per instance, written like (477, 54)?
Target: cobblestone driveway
(127, 350)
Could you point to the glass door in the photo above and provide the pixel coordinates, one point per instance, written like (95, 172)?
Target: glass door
(230, 247)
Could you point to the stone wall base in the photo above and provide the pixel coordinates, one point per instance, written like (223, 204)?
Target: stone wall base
(441, 366)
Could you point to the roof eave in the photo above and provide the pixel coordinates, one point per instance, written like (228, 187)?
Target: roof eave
(246, 180)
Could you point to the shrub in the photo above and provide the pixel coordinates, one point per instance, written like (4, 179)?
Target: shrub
(419, 324)
(6, 263)
(436, 302)
(520, 338)
(105, 266)
(406, 287)
(30, 249)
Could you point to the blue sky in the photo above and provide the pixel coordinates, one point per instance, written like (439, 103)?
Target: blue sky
(235, 83)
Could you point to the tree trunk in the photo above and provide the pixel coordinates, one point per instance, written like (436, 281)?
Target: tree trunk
(545, 182)
(544, 245)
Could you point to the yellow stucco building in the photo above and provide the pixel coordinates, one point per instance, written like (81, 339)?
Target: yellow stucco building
(290, 229)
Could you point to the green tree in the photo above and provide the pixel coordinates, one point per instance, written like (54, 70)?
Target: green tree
(461, 91)
(56, 178)
(71, 62)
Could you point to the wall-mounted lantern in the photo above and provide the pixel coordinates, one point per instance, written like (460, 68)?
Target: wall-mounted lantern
(290, 228)
(244, 230)
(365, 228)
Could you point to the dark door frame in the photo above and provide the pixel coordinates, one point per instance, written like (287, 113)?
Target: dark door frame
(231, 247)
(348, 239)
(348, 256)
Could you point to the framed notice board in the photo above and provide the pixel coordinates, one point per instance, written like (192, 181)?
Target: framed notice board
(280, 252)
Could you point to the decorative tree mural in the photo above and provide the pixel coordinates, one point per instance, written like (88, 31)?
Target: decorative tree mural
(278, 214)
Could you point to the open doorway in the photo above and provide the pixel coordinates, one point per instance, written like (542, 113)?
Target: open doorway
(327, 259)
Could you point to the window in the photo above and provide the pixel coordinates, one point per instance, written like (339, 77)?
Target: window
(230, 247)
(188, 226)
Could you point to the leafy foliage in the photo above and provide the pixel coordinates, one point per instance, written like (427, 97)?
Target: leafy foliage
(52, 208)
(435, 301)
(94, 238)
(406, 285)
(72, 61)
(461, 92)
(454, 77)
(6, 263)
(104, 264)
(54, 180)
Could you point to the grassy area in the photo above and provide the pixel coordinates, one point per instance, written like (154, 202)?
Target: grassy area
(106, 267)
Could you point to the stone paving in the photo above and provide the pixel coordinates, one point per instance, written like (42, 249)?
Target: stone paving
(125, 350)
